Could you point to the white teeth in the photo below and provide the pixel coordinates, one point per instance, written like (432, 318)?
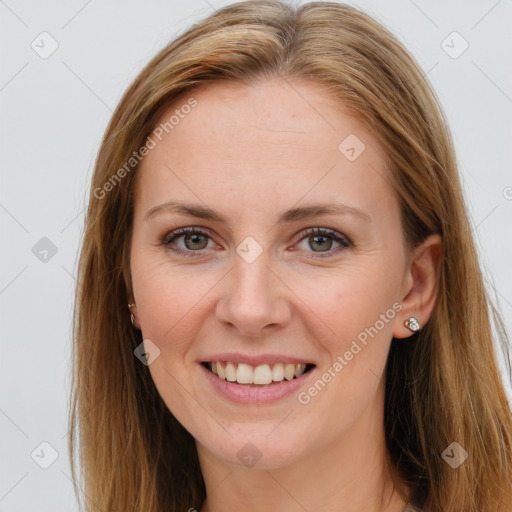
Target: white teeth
(299, 370)
(244, 374)
(263, 374)
(220, 370)
(230, 372)
(289, 371)
(278, 372)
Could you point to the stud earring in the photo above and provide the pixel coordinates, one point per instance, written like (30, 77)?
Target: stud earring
(412, 324)
(132, 318)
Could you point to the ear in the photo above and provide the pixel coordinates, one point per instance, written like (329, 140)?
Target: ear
(133, 311)
(421, 285)
(128, 283)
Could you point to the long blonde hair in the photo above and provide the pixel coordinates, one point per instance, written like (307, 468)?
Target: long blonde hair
(442, 386)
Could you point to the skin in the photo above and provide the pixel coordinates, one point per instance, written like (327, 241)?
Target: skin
(251, 152)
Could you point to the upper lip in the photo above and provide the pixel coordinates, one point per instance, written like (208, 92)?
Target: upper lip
(255, 360)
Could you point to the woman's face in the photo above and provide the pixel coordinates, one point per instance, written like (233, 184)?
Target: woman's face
(261, 286)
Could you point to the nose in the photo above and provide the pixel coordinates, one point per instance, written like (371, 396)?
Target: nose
(253, 301)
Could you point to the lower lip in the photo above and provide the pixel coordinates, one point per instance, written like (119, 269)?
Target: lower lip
(242, 394)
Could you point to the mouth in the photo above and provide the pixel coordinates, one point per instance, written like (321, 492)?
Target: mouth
(263, 375)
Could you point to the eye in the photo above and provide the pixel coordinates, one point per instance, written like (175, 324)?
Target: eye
(322, 238)
(194, 240)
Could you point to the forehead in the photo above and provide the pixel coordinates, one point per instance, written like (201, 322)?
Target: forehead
(272, 141)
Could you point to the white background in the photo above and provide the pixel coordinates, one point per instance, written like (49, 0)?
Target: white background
(53, 114)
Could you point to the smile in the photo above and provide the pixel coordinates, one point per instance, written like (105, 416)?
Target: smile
(261, 375)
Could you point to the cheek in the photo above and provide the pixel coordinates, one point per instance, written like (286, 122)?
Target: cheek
(171, 314)
(352, 299)
(359, 311)
(357, 308)
(169, 298)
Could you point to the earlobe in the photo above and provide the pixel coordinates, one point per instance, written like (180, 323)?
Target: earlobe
(422, 287)
(132, 308)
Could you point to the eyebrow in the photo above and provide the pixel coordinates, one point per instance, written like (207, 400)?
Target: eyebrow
(291, 215)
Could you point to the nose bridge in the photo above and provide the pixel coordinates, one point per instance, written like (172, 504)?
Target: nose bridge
(252, 300)
(252, 263)
(252, 279)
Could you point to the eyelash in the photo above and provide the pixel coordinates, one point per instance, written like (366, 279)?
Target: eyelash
(177, 233)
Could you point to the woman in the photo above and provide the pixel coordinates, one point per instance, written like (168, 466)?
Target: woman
(280, 305)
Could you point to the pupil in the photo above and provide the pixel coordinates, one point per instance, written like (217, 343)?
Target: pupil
(316, 238)
(195, 239)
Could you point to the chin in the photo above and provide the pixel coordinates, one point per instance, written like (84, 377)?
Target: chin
(258, 448)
